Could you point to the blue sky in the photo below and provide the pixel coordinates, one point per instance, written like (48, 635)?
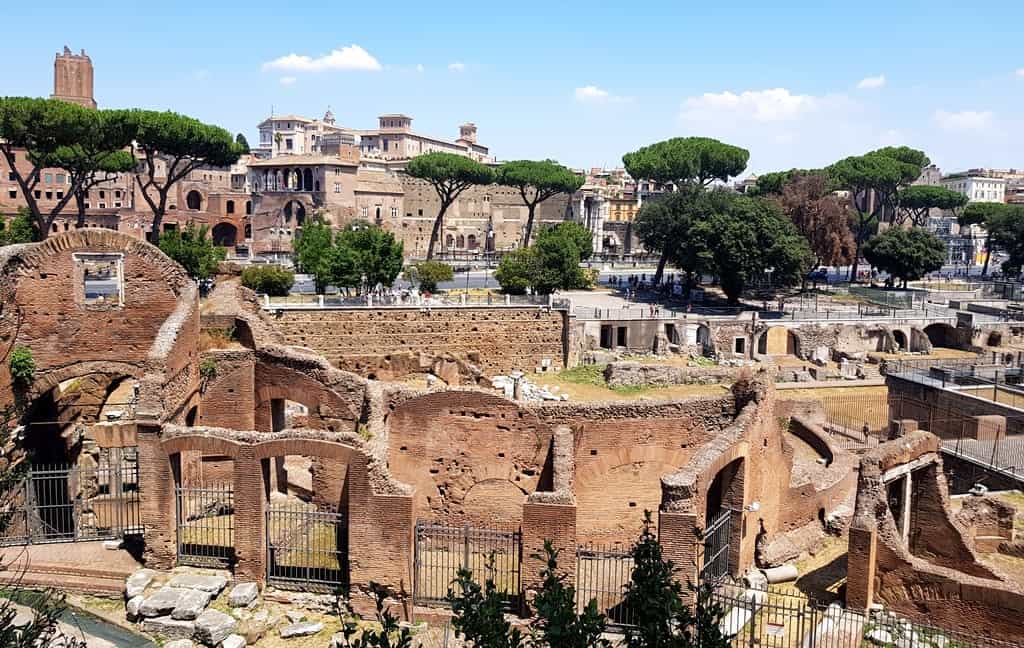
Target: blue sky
(797, 83)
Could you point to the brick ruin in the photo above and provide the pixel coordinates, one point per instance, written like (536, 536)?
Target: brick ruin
(275, 420)
(909, 553)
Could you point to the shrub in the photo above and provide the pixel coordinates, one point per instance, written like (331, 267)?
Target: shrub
(208, 368)
(427, 274)
(268, 279)
(22, 366)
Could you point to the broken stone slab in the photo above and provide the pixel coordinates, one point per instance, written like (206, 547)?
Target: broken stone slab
(179, 643)
(131, 608)
(233, 641)
(169, 628)
(211, 584)
(243, 594)
(213, 627)
(295, 616)
(191, 605)
(880, 637)
(303, 629)
(161, 602)
(137, 582)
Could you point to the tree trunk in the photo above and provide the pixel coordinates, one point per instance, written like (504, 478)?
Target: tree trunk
(80, 203)
(661, 267)
(435, 232)
(856, 258)
(529, 224)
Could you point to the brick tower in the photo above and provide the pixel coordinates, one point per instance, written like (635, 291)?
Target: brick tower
(72, 78)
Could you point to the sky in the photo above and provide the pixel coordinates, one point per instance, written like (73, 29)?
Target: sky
(799, 84)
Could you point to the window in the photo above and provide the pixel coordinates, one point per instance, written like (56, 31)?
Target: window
(288, 144)
(60, 195)
(49, 195)
(103, 205)
(101, 276)
(10, 176)
(117, 204)
(337, 187)
(739, 345)
(394, 212)
(364, 212)
(230, 207)
(12, 193)
(60, 178)
(48, 178)
(38, 194)
(103, 194)
(117, 194)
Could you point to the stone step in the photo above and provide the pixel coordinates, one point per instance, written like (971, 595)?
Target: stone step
(65, 582)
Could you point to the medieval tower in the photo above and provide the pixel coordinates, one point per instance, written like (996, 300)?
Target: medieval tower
(72, 78)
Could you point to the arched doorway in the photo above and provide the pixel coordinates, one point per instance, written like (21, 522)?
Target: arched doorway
(307, 180)
(294, 209)
(194, 200)
(471, 242)
(900, 338)
(723, 522)
(225, 234)
(229, 207)
(704, 341)
(773, 341)
(942, 335)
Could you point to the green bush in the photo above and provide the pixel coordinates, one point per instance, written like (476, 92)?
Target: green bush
(427, 274)
(268, 279)
(22, 366)
(193, 249)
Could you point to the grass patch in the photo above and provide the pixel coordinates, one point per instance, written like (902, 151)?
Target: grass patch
(584, 375)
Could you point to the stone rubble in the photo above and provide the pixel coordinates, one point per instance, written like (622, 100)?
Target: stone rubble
(211, 584)
(243, 594)
(162, 602)
(191, 605)
(213, 627)
(303, 629)
(233, 641)
(137, 582)
(169, 628)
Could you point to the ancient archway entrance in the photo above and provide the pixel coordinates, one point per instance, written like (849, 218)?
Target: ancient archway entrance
(225, 235)
(723, 521)
(942, 335)
(900, 338)
(194, 200)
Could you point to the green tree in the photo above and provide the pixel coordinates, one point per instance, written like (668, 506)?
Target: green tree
(1007, 234)
(772, 183)
(744, 236)
(580, 236)
(478, 612)
(171, 146)
(242, 143)
(654, 600)
(989, 216)
(664, 224)
(874, 181)
(906, 254)
(377, 257)
(449, 174)
(270, 280)
(97, 157)
(41, 127)
(20, 229)
(315, 252)
(516, 271)
(537, 181)
(427, 274)
(917, 201)
(193, 249)
(558, 624)
(689, 163)
(819, 215)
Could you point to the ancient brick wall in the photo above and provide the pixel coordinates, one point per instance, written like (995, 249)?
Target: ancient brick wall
(947, 413)
(499, 339)
(228, 396)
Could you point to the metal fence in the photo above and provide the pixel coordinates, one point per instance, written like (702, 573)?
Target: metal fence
(889, 298)
(715, 565)
(70, 503)
(602, 574)
(441, 551)
(306, 548)
(206, 525)
(777, 618)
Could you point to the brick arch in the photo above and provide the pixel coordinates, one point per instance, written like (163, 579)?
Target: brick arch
(54, 377)
(494, 503)
(275, 381)
(307, 447)
(27, 258)
(202, 443)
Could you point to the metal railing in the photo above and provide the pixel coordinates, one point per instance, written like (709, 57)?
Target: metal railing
(303, 300)
(602, 575)
(441, 551)
(71, 503)
(205, 519)
(716, 548)
(306, 548)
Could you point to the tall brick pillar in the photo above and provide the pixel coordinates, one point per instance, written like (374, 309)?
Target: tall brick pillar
(554, 522)
(860, 569)
(157, 477)
(250, 516)
(677, 533)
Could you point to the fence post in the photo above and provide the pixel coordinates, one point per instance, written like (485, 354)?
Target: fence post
(753, 620)
(465, 547)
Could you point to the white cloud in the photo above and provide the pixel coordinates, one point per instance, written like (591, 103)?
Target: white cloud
(871, 82)
(457, 67)
(419, 67)
(591, 94)
(288, 80)
(776, 104)
(349, 57)
(1020, 72)
(969, 120)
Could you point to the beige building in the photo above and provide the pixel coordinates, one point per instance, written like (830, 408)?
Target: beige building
(296, 135)
(394, 142)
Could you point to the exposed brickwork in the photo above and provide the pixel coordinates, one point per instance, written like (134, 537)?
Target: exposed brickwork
(501, 339)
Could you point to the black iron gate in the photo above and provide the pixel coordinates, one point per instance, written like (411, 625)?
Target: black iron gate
(602, 575)
(442, 550)
(206, 526)
(306, 548)
(75, 502)
(716, 547)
